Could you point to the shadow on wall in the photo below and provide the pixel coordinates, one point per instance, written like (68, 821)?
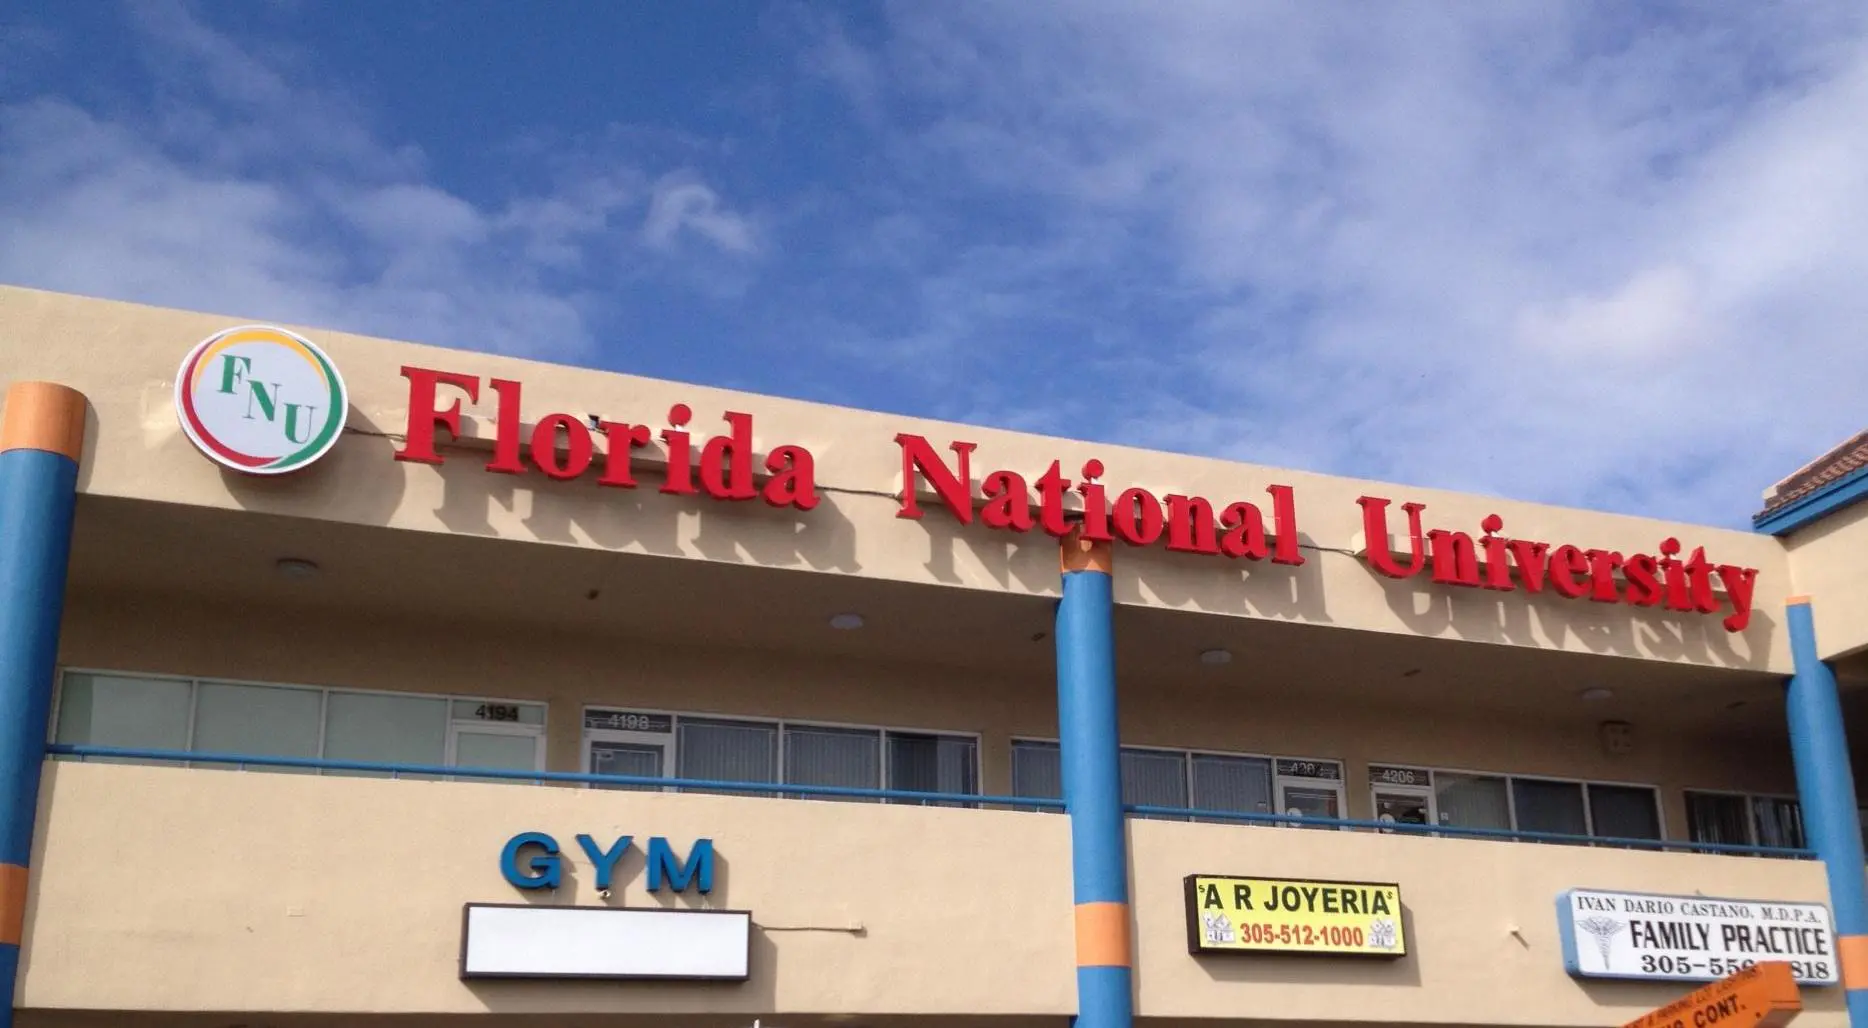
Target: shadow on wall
(356, 480)
(1151, 574)
(757, 993)
(628, 883)
(91, 428)
(1480, 615)
(362, 482)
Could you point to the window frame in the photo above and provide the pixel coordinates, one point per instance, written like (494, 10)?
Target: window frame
(671, 762)
(1511, 795)
(1751, 810)
(1187, 754)
(1425, 792)
(194, 682)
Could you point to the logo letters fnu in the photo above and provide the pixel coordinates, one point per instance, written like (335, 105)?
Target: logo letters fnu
(260, 400)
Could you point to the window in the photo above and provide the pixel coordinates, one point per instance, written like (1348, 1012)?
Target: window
(1736, 819)
(919, 762)
(1779, 821)
(1461, 799)
(1037, 771)
(656, 745)
(1238, 784)
(842, 757)
(1154, 778)
(124, 712)
(1623, 812)
(244, 719)
(1182, 780)
(264, 721)
(1553, 807)
(1471, 801)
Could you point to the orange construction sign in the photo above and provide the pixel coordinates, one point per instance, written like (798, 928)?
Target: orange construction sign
(1763, 995)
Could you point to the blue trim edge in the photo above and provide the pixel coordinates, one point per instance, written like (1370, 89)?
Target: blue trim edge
(1815, 506)
(1566, 933)
(572, 777)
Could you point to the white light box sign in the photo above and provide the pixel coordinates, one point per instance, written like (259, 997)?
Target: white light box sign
(1692, 938)
(523, 941)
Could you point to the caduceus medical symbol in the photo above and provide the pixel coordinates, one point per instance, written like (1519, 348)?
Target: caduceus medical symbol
(1604, 929)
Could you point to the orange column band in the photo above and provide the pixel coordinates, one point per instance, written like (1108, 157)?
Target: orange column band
(1103, 935)
(43, 416)
(1076, 553)
(12, 904)
(1852, 952)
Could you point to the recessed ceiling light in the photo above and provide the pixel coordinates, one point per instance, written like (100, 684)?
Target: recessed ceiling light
(296, 569)
(1596, 694)
(846, 622)
(1216, 657)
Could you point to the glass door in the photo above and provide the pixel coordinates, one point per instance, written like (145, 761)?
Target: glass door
(1402, 795)
(636, 743)
(496, 747)
(1310, 789)
(635, 759)
(1311, 801)
(1399, 805)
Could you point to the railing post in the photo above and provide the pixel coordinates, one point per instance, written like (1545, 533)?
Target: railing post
(1092, 773)
(1826, 790)
(41, 443)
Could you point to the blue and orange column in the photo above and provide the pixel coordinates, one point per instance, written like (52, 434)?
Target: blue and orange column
(41, 442)
(1826, 790)
(1092, 771)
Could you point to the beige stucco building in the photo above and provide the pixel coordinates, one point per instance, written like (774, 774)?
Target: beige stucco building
(397, 639)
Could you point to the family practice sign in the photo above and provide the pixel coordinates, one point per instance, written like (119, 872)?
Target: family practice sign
(266, 401)
(1692, 938)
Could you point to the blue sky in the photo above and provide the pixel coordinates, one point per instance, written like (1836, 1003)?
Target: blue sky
(1563, 252)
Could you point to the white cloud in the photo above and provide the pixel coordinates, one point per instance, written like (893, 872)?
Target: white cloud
(1586, 255)
(1653, 315)
(680, 205)
(254, 192)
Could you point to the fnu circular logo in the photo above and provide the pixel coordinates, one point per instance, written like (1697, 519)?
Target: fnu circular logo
(260, 400)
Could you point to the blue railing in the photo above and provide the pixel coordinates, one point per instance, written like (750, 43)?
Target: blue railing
(1456, 831)
(246, 760)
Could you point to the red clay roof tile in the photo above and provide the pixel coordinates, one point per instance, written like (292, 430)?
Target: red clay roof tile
(1844, 460)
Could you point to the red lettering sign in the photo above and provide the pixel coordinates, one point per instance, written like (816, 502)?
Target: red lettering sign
(562, 446)
(1646, 580)
(1136, 516)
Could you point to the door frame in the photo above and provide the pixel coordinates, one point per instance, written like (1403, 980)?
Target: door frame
(658, 740)
(534, 732)
(1421, 792)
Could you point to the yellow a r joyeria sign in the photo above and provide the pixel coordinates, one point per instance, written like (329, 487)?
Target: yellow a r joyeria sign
(1293, 915)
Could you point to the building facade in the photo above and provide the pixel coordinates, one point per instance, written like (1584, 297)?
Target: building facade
(357, 682)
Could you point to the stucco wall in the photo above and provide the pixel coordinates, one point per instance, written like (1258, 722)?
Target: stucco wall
(124, 358)
(1829, 564)
(227, 891)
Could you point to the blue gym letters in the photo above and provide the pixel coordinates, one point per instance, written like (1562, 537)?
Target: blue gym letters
(531, 860)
